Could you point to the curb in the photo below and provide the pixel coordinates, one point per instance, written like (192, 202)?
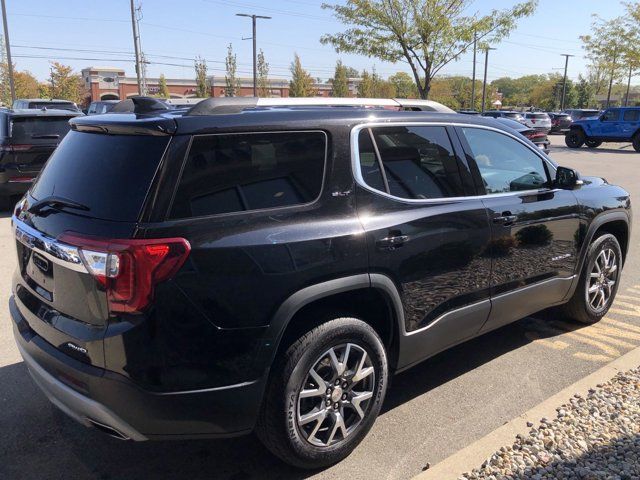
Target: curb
(475, 454)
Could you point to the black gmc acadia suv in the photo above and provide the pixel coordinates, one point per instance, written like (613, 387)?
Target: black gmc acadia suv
(209, 272)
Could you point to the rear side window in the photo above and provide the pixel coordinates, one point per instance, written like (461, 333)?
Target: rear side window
(240, 172)
(417, 162)
(631, 115)
(110, 174)
(38, 129)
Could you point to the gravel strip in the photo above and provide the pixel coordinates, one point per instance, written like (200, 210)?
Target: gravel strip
(592, 438)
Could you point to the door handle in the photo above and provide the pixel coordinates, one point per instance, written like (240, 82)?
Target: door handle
(392, 242)
(506, 218)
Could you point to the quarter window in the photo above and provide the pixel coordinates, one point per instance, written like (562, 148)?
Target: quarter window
(413, 162)
(233, 173)
(505, 164)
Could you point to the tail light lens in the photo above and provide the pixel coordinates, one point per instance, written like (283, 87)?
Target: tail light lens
(129, 270)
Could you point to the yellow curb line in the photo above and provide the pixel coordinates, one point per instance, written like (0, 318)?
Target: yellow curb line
(475, 454)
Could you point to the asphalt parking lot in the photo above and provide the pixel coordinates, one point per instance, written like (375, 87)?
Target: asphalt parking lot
(430, 412)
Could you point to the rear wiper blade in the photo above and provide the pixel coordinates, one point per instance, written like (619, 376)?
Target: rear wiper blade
(55, 201)
(52, 136)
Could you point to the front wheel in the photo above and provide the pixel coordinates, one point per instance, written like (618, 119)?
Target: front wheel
(574, 139)
(598, 282)
(324, 394)
(592, 143)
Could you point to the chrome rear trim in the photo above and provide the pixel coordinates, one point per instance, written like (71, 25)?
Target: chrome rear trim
(57, 252)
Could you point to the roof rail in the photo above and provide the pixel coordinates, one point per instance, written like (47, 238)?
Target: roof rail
(230, 105)
(222, 106)
(140, 104)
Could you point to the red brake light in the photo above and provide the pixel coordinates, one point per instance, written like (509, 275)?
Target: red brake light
(129, 270)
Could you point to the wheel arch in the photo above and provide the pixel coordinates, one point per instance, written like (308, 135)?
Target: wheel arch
(374, 299)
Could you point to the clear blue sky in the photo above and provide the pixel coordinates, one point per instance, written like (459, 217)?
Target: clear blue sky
(98, 32)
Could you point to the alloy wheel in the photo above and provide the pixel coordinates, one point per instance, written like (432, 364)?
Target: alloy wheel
(335, 395)
(602, 280)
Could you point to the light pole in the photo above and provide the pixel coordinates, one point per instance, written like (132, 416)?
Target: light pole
(134, 26)
(473, 80)
(484, 82)
(255, 55)
(12, 86)
(564, 82)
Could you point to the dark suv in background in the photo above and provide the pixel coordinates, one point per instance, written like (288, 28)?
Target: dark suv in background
(235, 267)
(27, 139)
(40, 103)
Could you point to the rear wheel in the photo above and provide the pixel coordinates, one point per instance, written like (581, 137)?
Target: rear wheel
(636, 142)
(598, 282)
(324, 394)
(575, 138)
(591, 143)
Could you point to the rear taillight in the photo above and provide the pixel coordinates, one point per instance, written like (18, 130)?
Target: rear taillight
(15, 148)
(129, 270)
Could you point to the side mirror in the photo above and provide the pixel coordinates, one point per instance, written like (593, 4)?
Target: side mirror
(567, 178)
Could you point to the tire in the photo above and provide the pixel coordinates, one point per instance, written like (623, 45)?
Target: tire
(592, 143)
(583, 307)
(322, 442)
(575, 138)
(636, 142)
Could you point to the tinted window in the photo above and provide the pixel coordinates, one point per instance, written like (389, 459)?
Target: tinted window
(512, 115)
(38, 129)
(110, 174)
(505, 164)
(54, 105)
(540, 116)
(419, 162)
(611, 115)
(631, 115)
(232, 173)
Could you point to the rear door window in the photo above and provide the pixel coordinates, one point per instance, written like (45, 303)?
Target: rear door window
(253, 171)
(631, 115)
(110, 174)
(418, 162)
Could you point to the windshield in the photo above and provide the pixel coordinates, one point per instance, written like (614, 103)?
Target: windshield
(29, 130)
(110, 174)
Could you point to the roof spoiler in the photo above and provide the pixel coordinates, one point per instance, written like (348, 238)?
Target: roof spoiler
(222, 106)
(140, 104)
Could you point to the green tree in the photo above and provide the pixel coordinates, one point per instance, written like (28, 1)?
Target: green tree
(404, 85)
(202, 83)
(163, 90)
(26, 85)
(605, 47)
(301, 84)
(263, 76)
(427, 34)
(231, 82)
(584, 93)
(373, 86)
(65, 84)
(340, 83)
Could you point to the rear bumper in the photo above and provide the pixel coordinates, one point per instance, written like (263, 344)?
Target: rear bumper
(106, 400)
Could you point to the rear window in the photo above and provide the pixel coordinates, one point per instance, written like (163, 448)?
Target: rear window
(54, 105)
(538, 116)
(512, 115)
(110, 174)
(38, 129)
(234, 173)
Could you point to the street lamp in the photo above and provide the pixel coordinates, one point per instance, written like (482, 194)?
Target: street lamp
(255, 58)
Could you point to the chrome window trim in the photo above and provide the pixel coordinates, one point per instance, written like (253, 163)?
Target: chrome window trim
(357, 173)
(57, 252)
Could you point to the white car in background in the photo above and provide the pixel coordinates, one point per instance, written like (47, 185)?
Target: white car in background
(538, 121)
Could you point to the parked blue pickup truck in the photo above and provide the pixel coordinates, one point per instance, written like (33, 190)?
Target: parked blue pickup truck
(613, 125)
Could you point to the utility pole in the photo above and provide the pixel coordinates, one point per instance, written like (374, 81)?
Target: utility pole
(626, 98)
(473, 80)
(484, 83)
(134, 26)
(12, 85)
(255, 54)
(564, 82)
(613, 68)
